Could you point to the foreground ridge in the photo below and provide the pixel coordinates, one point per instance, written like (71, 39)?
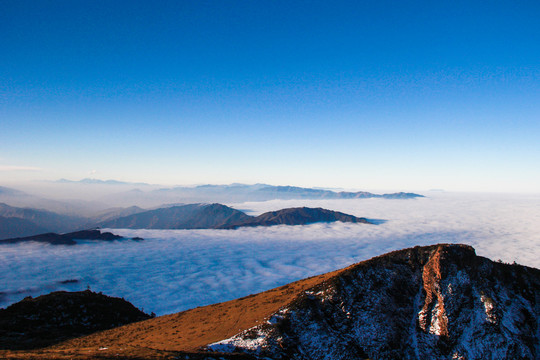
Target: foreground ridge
(438, 302)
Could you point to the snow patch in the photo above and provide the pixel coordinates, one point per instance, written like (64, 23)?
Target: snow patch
(489, 307)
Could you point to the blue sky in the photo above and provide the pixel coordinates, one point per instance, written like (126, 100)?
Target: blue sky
(355, 94)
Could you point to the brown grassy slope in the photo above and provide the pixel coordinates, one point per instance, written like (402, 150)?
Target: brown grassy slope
(191, 329)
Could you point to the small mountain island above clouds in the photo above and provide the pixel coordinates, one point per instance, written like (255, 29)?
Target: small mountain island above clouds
(68, 238)
(433, 302)
(217, 216)
(297, 216)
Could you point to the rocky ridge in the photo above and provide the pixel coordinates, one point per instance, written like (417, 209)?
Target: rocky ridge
(438, 302)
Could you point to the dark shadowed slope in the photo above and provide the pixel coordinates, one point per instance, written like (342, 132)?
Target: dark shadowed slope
(49, 319)
(42, 219)
(297, 216)
(12, 227)
(113, 213)
(66, 239)
(193, 216)
(433, 302)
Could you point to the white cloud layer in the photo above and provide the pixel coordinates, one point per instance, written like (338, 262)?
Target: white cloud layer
(174, 270)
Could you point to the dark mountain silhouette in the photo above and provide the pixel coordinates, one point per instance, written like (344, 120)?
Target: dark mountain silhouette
(433, 302)
(38, 219)
(297, 216)
(192, 216)
(49, 319)
(66, 239)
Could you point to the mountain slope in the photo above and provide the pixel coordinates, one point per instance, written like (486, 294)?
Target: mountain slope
(42, 219)
(12, 227)
(115, 213)
(434, 302)
(193, 216)
(297, 216)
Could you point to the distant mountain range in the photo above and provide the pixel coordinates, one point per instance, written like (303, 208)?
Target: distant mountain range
(24, 216)
(191, 216)
(217, 216)
(99, 182)
(432, 302)
(236, 193)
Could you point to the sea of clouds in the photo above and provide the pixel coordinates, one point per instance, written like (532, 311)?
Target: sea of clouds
(174, 270)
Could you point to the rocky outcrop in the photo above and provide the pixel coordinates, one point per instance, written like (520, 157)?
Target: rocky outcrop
(438, 302)
(49, 319)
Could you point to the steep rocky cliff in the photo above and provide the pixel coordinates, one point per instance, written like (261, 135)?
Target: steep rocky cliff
(438, 302)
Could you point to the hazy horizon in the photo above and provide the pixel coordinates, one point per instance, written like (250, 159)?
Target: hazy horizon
(349, 94)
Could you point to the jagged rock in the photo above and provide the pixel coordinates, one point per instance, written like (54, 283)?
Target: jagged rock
(438, 302)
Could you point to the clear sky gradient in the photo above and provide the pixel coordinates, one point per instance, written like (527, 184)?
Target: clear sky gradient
(354, 94)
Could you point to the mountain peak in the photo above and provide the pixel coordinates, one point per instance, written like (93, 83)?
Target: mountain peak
(440, 302)
(433, 302)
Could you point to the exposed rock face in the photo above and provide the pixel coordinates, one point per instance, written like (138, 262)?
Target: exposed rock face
(438, 302)
(48, 319)
(297, 216)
